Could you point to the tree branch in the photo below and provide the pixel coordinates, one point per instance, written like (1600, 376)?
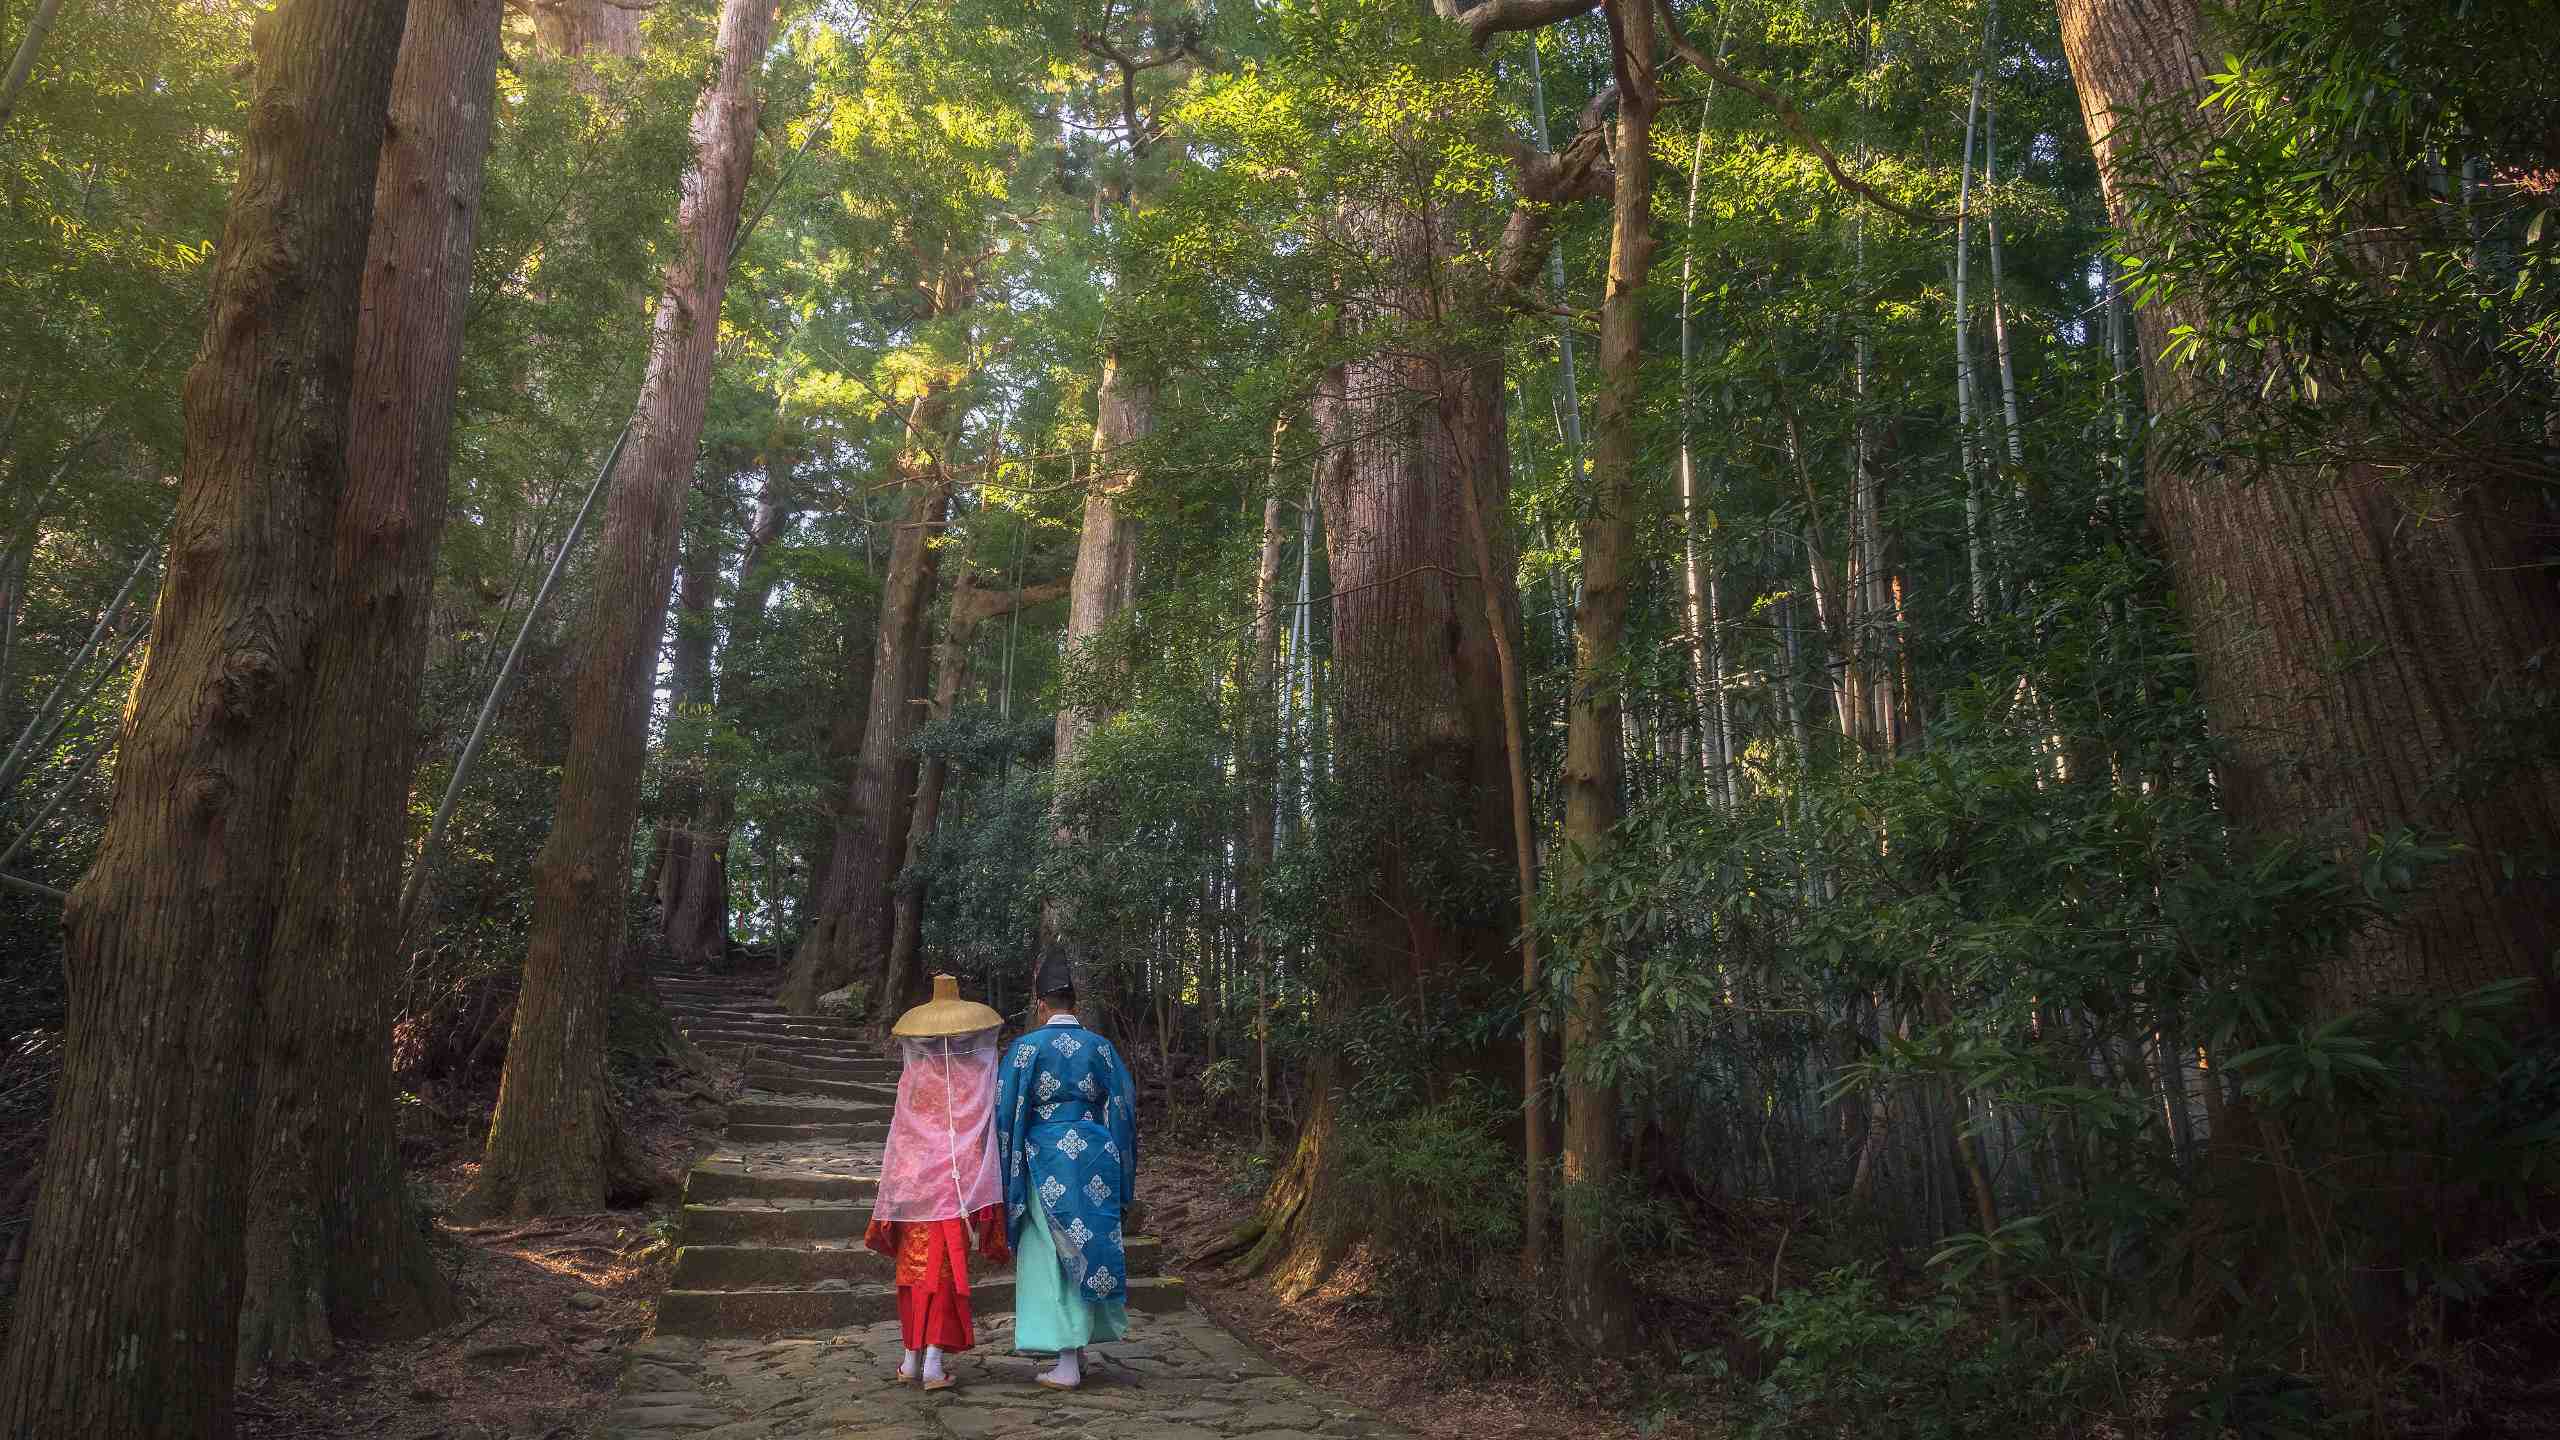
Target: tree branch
(1143, 132)
(1578, 170)
(971, 605)
(1488, 18)
(1791, 120)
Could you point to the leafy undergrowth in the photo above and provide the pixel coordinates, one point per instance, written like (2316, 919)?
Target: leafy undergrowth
(549, 1305)
(1761, 1326)
(1342, 1336)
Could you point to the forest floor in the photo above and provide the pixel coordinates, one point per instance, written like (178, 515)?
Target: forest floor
(1343, 1337)
(550, 1306)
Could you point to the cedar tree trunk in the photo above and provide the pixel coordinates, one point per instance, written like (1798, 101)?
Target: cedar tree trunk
(128, 1313)
(334, 1246)
(692, 863)
(2346, 641)
(849, 923)
(555, 1143)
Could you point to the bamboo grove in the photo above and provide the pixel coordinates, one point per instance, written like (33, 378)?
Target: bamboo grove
(1607, 626)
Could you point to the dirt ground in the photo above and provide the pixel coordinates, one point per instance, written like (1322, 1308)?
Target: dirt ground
(1339, 1339)
(549, 1305)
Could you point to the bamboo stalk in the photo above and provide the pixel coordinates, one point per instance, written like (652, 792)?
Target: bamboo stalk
(423, 868)
(39, 722)
(1976, 574)
(2012, 432)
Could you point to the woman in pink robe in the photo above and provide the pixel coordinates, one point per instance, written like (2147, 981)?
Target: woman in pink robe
(940, 1193)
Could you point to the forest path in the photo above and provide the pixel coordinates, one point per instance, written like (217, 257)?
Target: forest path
(778, 1322)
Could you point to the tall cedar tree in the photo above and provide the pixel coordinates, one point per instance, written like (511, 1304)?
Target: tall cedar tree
(693, 888)
(1105, 582)
(334, 1246)
(555, 1143)
(2347, 643)
(686, 858)
(850, 919)
(129, 1309)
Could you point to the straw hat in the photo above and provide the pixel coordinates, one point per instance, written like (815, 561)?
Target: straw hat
(946, 1014)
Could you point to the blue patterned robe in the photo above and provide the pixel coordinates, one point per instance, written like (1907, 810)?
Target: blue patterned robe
(1067, 1127)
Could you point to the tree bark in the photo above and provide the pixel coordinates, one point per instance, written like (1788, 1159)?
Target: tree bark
(1598, 1304)
(970, 608)
(696, 919)
(129, 1306)
(555, 1143)
(1419, 707)
(1262, 761)
(1106, 574)
(693, 864)
(851, 704)
(23, 64)
(849, 929)
(576, 28)
(2345, 643)
(333, 1244)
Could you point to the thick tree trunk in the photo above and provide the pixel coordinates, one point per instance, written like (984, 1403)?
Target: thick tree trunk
(2282, 577)
(1106, 574)
(555, 1143)
(129, 1306)
(696, 918)
(575, 28)
(851, 713)
(970, 608)
(1598, 1305)
(693, 862)
(333, 1244)
(1419, 707)
(848, 935)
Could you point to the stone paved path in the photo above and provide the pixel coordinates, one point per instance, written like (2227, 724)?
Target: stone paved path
(778, 1322)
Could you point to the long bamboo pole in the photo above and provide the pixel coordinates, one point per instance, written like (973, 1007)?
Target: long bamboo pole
(24, 63)
(1699, 583)
(1976, 572)
(424, 867)
(1991, 236)
(9, 768)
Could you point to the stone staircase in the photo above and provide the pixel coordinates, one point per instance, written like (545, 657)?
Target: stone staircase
(771, 1236)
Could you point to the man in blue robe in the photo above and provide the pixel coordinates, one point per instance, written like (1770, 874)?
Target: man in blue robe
(1066, 1121)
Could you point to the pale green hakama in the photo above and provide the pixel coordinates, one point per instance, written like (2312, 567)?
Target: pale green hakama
(1047, 1317)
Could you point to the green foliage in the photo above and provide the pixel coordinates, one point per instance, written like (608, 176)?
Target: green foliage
(1849, 1355)
(1433, 1190)
(2363, 199)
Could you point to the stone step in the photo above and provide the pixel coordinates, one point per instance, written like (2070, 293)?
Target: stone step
(833, 1066)
(785, 1079)
(800, 1267)
(780, 1110)
(737, 1223)
(764, 1312)
(872, 1131)
(712, 1182)
(756, 1005)
(793, 1041)
(767, 1020)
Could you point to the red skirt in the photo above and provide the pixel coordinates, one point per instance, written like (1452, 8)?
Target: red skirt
(932, 1258)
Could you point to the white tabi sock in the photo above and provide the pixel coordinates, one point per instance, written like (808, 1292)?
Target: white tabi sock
(907, 1366)
(933, 1362)
(1070, 1369)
